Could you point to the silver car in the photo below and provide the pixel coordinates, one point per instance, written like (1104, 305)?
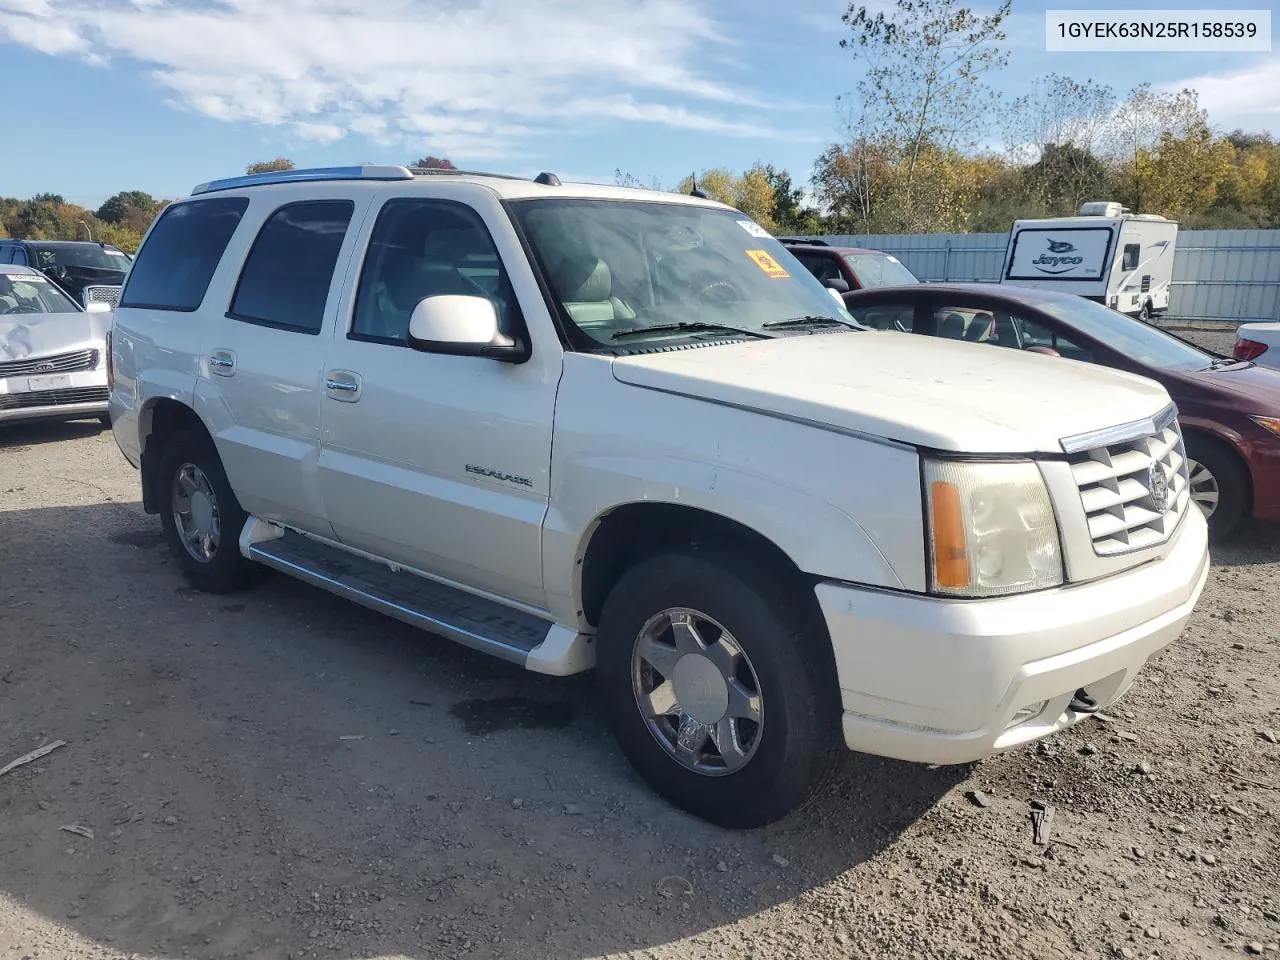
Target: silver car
(53, 353)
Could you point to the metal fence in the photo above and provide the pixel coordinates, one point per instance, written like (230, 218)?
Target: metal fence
(1231, 275)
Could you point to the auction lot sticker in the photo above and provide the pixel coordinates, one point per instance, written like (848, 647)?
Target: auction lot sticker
(770, 266)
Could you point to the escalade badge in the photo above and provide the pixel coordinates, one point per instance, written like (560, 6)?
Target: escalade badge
(1158, 484)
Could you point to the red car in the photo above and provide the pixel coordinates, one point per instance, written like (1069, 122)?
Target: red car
(1229, 408)
(848, 268)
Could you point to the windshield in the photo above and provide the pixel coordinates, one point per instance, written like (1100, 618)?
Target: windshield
(81, 255)
(622, 267)
(879, 270)
(31, 293)
(1127, 336)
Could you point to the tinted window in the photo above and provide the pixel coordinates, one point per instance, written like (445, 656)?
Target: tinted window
(426, 248)
(175, 265)
(1131, 253)
(886, 316)
(824, 268)
(1038, 335)
(286, 277)
(20, 256)
(6, 254)
(966, 323)
(1131, 338)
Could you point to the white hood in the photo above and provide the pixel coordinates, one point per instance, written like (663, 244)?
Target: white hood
(25, 335)
(942, 394)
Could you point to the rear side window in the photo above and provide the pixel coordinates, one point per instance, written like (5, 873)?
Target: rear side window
(175, 265)
(1132, 251)
(286, 277)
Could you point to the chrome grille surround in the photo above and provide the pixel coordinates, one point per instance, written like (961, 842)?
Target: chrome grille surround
(54, 363)
(1120, 474)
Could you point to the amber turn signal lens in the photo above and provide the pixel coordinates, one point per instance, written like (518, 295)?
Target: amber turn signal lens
(950, 559)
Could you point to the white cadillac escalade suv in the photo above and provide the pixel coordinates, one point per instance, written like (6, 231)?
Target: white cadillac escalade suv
(579, 426)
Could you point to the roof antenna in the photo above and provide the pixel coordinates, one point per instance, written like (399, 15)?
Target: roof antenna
(694, 191)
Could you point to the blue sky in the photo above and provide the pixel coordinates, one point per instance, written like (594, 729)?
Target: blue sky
(159, 95)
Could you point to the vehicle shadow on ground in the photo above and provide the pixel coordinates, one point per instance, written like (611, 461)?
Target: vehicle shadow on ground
(279, 773)
(1259, 542)
(33, 434)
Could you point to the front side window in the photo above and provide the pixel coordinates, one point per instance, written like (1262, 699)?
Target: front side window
(824, 268)
(966, 323)
(1038, 335)
(1130, 338)
(22, 293)
(20, 257)
(286, 277)
(173, 269)
(628, 273)
(427, 248)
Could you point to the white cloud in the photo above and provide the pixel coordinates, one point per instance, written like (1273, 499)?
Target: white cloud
(476, 79)
(1244, 97)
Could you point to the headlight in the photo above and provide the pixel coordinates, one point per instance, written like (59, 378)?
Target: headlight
(991, 528)
(1271, 424)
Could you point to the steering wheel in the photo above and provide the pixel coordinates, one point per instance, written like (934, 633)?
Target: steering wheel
(722, 290)
(21, 308)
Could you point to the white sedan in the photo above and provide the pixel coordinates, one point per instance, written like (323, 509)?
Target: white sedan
(1259, 342)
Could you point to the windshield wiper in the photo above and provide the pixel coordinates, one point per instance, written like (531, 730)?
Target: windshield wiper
(807, 321)
(694, 326)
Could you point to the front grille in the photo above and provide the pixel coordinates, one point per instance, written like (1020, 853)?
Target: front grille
(1119, 490)
(58, 363)
(52, 398)
(102, 293)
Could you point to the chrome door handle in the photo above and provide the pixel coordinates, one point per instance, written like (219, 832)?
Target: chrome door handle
(222, 363)
(342, 385)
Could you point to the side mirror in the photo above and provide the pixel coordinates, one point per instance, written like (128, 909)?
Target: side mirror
(97, 306)
(838, 284)
(462, 326)
(56, 272)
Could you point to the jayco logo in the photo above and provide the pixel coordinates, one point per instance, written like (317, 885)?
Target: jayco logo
(1057, 248)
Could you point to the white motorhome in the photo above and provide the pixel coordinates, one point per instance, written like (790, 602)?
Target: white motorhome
(1120, 259)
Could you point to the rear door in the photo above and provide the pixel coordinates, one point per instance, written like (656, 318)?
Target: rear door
(265, 343)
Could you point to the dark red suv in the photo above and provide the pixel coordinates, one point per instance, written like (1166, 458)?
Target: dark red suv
(848, 268)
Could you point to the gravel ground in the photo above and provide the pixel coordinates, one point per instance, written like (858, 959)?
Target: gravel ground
(282, 774)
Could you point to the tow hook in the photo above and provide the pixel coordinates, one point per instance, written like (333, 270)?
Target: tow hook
(1082, 702)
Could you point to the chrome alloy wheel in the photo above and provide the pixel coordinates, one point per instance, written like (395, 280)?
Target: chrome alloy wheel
(1204, 488)
(195, 512)
(697, 691)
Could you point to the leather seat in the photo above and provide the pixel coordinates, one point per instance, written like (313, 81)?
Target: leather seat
(585, 287)
(951, 326)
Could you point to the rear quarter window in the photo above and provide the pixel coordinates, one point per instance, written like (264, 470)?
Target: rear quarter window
(173, 269)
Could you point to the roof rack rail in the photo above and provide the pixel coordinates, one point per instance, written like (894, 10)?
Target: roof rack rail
(811, 241)
(444, 172)
(365, 172)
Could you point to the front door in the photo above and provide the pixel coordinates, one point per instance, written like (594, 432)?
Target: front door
(438, 462)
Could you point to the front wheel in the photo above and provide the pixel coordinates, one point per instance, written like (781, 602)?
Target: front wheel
(1219, 486)
(201, 516)
(719, 687)
(1145, 314)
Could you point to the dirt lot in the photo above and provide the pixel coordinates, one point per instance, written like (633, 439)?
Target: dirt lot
(282, 774)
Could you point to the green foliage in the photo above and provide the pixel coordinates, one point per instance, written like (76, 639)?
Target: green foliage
(133, 208)
(434, 163)
(270, 166)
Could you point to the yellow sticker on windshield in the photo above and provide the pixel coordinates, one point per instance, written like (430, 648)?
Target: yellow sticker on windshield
(770, 266)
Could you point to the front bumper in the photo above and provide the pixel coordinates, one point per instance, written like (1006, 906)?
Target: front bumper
(77, 396)
(946, 681)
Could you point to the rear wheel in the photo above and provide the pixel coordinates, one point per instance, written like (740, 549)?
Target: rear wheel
(201, 516)
(1219, 486)
(718, 686)
(1145, 314)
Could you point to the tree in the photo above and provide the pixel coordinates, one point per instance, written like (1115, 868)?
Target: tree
(922, 96)
(752, 193)
(790, 212)
(132, 208)
(1064, 122)
(270, 166)
(1143, 120)
(434, 163)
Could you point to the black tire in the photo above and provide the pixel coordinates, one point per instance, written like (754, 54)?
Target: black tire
(1145, 314)
(226, 570)
(790, 653)
(105, 420)
(1232, 479)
